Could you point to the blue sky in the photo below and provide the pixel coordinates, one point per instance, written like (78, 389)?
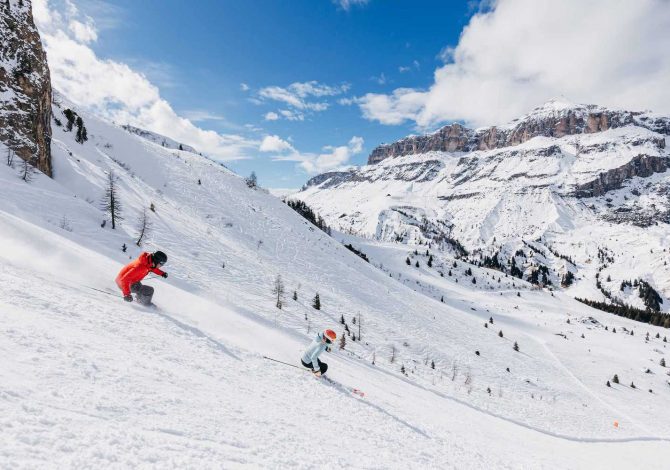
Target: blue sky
(290, 89)
(199, 54)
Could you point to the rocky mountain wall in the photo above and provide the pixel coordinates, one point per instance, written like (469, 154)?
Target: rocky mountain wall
(25, 86)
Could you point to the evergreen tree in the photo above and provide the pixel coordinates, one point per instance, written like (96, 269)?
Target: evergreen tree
(662, 363)
(295, 295)
(111, 201)
(417, 263)
(252, 180)
(343, 341)
(71, 117)
(278, 291)
(474, 281)
(408, 261)
(450, 273)
(500, 333)
(632, 385)
(342, 319)
(402, 369)
(516, 346)
(608, 383)
(432, 364)
(430, 261)
(491, 320)
(317, 302)
(615, 379)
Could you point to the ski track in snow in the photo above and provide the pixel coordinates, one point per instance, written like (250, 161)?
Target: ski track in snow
(93, 382)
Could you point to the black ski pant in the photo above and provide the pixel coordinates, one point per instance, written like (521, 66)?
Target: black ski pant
(322, 365)
(143, 294)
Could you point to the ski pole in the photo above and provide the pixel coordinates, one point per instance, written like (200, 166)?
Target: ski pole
(282, 362)
(103, 291)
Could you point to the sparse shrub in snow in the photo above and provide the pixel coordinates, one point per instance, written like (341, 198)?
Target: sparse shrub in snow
(402, 369)
(278, 291)
(316, 303)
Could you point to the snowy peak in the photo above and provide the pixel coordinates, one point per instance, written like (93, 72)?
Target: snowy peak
(556, 118)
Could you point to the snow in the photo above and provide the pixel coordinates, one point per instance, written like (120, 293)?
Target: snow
(92, 382)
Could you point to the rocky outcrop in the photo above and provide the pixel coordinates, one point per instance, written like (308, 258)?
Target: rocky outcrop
(25, 86)
(642, 165)
(541, 122)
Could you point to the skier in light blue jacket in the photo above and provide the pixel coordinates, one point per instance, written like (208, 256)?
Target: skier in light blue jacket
(321, 343)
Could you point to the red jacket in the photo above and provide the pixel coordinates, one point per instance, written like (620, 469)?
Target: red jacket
(136, 271)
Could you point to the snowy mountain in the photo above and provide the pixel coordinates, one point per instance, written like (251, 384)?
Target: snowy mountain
(565, 181)
(454, 364)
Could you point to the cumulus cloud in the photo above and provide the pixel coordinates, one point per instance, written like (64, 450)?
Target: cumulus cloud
(113, 89)
(331, 158)
(516, 54)
(274, 143)
(271, 116)
(299, 97)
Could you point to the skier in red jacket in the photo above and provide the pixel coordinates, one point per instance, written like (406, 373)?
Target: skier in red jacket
(130, 276)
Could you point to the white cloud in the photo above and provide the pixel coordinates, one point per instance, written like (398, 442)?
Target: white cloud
(297, 97)
(403, 69)
(274, 143)
(331, 158)
(200, 115)
(244, 87)
(271, 116)
(83, 32)
(347, 4)
(516, 54)
(115, 91)
(381, 79)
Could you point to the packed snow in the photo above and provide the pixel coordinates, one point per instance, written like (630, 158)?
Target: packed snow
(89, 381)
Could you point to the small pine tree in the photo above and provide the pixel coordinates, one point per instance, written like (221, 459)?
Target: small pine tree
(516, 346)
(402, 369)
(295, 295)
(251, 180)
(500, 333)
(430, 261)
(662, 363)
(317, 302)
(111, 201)
(442, 299)
(615, 379)
(665, 339)
(343, 341)
(632, 385)
(491, 320)
(432, 364)
(613, 330)
(608, 383)
(449, 273)
(486, 325)
(518, 294)
(474, 281)
(417, 263)
(342, 319)
(408, 261)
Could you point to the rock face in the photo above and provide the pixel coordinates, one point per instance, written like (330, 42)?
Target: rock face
(641, 165)
(25, 86)
(549, 120)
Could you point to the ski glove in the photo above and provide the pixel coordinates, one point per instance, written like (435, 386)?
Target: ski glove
(164, 275)
(128, 298)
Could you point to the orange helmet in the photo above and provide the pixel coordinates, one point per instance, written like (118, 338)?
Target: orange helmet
(329, 336)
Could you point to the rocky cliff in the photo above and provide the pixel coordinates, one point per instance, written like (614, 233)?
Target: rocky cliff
(554, 119)
(25, 86)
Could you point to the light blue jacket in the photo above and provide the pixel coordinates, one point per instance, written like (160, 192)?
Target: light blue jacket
(311, 355)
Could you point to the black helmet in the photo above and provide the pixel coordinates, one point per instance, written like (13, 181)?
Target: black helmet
(159, 257)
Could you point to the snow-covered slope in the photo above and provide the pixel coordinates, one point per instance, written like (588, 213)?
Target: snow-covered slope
(572, 178)
(92, 381)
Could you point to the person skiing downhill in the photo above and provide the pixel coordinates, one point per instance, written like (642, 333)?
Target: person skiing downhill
(322, 342)
(130, 276)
